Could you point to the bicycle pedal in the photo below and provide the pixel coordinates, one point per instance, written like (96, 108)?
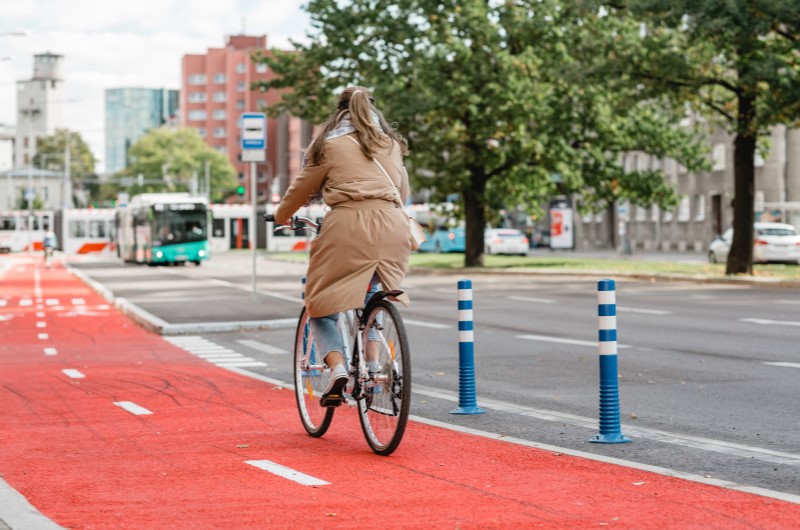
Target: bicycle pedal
(331, 400)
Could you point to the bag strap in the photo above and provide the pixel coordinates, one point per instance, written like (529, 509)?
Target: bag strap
(385, 174)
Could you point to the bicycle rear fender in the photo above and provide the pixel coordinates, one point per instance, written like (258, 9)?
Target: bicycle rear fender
(380, 295)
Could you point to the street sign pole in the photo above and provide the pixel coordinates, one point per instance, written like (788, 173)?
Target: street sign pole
(254, 146)
(253, 230)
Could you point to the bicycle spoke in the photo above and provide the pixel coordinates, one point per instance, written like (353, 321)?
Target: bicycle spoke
(310, 381)
(384, 411)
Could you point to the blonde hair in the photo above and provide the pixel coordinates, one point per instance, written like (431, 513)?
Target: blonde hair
(358, 104)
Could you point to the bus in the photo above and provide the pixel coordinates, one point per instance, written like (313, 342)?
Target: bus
(22, 230)
(163, 228)
(87, 231)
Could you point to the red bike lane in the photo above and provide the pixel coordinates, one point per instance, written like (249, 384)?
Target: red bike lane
(106, 425)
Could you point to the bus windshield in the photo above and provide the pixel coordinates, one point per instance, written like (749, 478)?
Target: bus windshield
(171, 227)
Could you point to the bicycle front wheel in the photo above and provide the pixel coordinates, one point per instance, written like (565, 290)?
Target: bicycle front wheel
(383, 411)
(310, 380)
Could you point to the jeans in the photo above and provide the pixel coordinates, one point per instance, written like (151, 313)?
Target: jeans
(327, 336)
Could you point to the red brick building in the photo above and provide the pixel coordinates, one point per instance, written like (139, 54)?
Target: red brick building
(215, 92)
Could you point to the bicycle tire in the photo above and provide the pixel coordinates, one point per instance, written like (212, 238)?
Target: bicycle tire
(310, 384)
(383, 412)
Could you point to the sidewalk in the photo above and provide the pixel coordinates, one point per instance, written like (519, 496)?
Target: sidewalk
(109, 425)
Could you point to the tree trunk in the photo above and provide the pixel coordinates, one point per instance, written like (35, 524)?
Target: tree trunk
(475, 217)
(740, 257)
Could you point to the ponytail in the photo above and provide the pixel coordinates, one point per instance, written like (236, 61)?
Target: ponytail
(359, 104)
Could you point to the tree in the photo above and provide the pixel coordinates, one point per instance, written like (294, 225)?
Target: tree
(737, 62)
(495, 98)
(167, 159)
(52, 153)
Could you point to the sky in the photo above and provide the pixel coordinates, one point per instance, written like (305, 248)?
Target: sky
(137, 43)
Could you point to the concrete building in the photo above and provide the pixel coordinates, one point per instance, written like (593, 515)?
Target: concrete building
(40, 106)
(7, 138)
(130, 113)
(705, 209)
(47, 186)
(215, 91)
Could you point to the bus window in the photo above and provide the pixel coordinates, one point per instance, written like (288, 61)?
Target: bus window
(8, 222)
(77, 228)
(97, 228)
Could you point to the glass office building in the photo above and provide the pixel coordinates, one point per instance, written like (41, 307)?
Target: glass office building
(130, 113)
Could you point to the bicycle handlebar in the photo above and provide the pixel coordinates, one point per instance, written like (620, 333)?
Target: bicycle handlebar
(296, 223)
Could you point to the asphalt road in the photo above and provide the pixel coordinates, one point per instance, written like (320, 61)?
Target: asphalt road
(708, 373)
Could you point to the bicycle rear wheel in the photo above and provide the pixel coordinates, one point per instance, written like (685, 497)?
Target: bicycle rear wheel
(383, 412)
(310, 380)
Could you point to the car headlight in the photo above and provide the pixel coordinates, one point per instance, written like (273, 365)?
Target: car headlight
(159, 254)
(201, 253)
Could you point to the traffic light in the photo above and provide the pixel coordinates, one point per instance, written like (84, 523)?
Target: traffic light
(240, 190)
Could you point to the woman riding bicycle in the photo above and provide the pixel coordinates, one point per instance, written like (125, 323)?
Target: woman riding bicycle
(365, 238)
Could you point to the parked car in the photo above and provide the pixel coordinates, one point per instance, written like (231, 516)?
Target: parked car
(771, 242)
(505, 241)
(445, 240)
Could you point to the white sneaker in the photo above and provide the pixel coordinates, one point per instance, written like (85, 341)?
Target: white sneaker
(334, 394)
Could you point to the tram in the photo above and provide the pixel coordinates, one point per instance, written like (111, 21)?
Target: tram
(23, 230)
(88, 231)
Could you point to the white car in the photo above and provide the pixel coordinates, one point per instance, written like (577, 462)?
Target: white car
(505, 241)
(771, 242)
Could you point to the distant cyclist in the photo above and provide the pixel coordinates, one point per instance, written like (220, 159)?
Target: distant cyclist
(49, 243)
(365, 237)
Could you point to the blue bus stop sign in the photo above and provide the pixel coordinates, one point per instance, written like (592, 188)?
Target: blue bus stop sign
(254, 131)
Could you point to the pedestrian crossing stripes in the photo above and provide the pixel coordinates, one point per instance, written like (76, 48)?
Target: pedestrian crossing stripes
(214, 353)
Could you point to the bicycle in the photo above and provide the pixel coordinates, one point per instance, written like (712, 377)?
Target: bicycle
(382, 396)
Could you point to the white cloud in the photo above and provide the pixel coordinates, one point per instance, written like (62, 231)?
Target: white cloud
(126, 44)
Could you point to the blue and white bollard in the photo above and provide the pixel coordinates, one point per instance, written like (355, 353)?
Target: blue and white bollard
(467, 402)
(610, 432)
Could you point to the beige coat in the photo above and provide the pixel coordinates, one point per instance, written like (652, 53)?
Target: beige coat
(366, 231)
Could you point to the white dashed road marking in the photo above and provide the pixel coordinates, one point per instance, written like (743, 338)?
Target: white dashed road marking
(73, 373)
(50, 351)
(785, 365)
(132, 407)
(260, 346)
(287, 473)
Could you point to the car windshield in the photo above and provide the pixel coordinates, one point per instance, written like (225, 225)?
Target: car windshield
(776, 232)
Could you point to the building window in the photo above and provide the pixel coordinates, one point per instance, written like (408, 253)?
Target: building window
(219, 114)
(197, 115)
(240, 68)
(240, 104)
(262, 103)
(684, 210)
(667, 218)
(197, 97)
(220, 96)
(222, 149)
(241, 175)
(197, 79)
(240, 86)
(201, 131)
(718, 157)
(655, 213)
(699, 207)
(219, 79)
(261, 68)
(641, 214)
(219, 132)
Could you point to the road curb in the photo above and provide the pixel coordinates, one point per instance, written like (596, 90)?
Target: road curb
(735, 280)
(157, 325)
(18, 514)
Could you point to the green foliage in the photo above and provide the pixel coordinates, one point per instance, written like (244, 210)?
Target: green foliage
(737, 61)
(495, 98)
(51, 155)
(167, 159)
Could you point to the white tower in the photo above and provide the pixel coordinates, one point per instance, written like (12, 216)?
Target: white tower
(40, 102)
